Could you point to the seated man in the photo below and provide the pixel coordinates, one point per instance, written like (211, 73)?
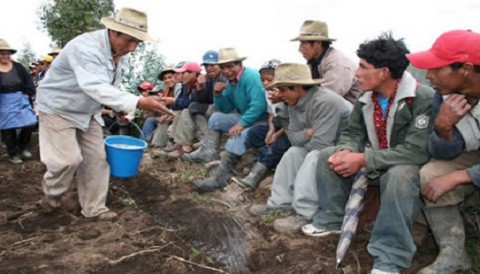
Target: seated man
(194, 118)
(317, 116)
(393, 117)
(453, 68)
(160, 137)
(241, 103)
(182, 127)
(270, 140)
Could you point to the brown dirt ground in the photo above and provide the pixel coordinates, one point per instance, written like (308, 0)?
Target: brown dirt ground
(164, 226)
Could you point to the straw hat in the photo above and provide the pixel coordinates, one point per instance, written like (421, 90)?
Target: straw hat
(313, 30)
(228, 55)
(290, 74)
(129, 21)
(5, 46)
(165, 71)
(55, 51)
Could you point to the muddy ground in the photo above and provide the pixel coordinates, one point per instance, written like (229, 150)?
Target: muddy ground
(165, 226)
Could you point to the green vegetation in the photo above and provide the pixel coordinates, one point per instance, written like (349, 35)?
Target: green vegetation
(128, 201)
(279, 258)
(25, 55)
(201, 198)
(268, 218)
(66, 19)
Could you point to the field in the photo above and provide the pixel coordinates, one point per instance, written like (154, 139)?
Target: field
(166, 226)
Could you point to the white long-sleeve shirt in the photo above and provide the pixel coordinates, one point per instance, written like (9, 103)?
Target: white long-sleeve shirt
(82, 78)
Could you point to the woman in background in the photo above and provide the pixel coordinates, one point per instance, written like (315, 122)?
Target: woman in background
(17, 118)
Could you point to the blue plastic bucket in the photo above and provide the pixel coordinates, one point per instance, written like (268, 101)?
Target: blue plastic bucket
(124, 154)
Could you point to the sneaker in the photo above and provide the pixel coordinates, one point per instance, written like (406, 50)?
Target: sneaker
(314, 231)
(26, 154)
(290, 224)
(15, 160)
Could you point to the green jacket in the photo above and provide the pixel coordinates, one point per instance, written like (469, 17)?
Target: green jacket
(409, 122)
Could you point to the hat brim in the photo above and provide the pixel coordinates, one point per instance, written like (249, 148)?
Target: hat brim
(426, 60)
(226, 61)
(208, 63)
(312, 38)
(12, 51)
(312, 82)
(110, 23)
(163, 72)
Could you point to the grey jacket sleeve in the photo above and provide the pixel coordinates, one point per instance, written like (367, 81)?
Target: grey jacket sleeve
(327, 113)
(474, 173)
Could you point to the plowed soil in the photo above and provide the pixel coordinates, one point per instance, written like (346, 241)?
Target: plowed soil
(164, 226)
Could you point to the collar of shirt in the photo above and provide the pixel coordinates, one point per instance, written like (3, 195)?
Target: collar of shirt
(239, 75)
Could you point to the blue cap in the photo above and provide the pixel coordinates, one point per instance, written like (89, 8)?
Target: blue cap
(210, 57)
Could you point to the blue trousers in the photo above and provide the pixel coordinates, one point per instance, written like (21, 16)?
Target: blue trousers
(270, 155)
(223, 122)
(149, 126)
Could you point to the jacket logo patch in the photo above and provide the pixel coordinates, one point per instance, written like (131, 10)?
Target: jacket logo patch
(421, 122)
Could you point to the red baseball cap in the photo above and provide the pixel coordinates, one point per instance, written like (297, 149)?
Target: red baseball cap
(189, 66)
(145, 85)
(456, 46)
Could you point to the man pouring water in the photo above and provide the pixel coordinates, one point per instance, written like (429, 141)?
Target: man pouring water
(85, 76)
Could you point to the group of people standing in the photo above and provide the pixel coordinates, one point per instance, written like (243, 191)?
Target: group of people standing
(317, 124)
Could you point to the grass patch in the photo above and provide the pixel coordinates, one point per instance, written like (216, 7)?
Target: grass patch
(128, 201)
(197, 255)
(269, 218)
(201, 198)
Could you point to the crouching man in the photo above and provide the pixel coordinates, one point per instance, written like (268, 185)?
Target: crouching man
(393, 116)
(453, 68)
(317, 116)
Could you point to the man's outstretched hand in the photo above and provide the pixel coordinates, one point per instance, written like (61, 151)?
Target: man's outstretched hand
(154, 103)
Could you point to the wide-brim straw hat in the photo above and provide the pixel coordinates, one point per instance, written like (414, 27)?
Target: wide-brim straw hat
(55, 51)
(313, 30)
(5, 46)
(129, 21)
(228, 55)
(163, 72)
(291, 74)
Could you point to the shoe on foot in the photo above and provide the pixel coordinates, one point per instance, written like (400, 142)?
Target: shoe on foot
(314, 231)
(379, 271)
(290, 224)
(259, 210)
(26, 154)
(176, 153)
(172, 147)
(107, 216)
(15, 160)
(53, 201)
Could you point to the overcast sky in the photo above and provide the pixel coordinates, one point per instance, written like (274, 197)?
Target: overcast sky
(262, 29)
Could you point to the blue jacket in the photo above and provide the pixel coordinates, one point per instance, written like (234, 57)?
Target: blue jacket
(449, 149)
(247, 98)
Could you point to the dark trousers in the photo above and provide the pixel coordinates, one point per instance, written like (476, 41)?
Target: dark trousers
(16, 142)
(270, 155)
